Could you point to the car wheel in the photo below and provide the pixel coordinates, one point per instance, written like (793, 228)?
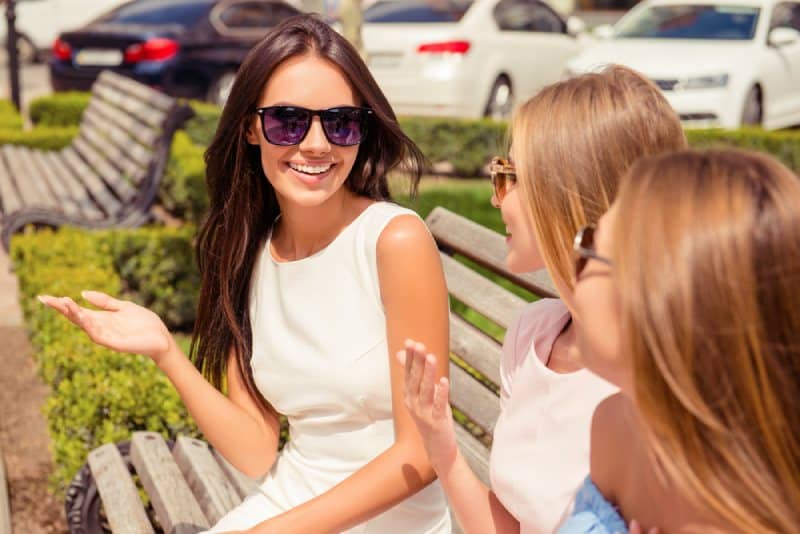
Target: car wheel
(220, 88)
(753, 110)
(501, 100)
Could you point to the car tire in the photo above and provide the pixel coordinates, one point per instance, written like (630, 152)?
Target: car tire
(501, 100)
(220, 88)
(753, 109)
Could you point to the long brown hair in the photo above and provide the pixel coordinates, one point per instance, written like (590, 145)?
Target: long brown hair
(707, 259)
(574, 140)
(243, 204)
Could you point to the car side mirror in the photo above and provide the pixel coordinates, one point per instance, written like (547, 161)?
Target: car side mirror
(779, 37)
(575, 26)
(604, 31)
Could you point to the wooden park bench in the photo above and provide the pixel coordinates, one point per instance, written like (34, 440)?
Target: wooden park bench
(191, 486)
(108, 176)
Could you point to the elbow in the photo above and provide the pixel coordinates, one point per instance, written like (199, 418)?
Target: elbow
(417, 469)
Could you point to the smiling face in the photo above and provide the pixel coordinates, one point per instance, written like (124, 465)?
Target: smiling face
(597, 314)
(312, 172)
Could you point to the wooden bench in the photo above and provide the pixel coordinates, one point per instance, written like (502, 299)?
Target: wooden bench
(108, 176)
(191, 487)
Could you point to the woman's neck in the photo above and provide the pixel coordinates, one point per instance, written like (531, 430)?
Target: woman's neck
(303, 231)
(561, 359)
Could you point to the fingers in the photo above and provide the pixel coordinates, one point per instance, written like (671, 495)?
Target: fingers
(428, 384)
(415, 364)
(102, 300)
(441, 399)
(64, 305)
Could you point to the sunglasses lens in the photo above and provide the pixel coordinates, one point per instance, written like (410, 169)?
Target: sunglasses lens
(584, 241)
(344, 126)
(500, 183)
(285, 125)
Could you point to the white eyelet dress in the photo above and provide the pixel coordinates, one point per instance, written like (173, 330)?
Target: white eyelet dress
(320, 357)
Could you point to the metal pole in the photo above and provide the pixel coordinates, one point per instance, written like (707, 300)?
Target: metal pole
(13, 53)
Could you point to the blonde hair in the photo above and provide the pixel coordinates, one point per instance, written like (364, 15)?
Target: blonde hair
(707, 259)
(574, 140)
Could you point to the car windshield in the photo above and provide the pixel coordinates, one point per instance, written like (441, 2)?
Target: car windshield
(159, 12)
(418, 11)
(691, 21)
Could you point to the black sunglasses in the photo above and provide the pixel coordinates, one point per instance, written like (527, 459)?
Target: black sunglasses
(583, 245)
(289, 125)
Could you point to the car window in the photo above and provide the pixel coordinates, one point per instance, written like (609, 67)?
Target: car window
(417, 11)
(255, 14)
(691, 21)
(527, 16)
(786, 15)
(158, 12)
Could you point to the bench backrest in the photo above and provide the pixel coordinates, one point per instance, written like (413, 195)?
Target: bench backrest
(475, 351)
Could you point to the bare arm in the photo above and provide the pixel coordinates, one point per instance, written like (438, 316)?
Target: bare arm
(415, 300)
(126, 327)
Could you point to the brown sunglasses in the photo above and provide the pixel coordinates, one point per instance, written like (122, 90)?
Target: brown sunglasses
(503, 176)
(584, 248)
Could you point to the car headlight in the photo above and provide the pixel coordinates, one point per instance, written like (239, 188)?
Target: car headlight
(704, 82)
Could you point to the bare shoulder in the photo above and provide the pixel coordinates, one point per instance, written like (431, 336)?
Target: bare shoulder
(611, 444)
(405, 234)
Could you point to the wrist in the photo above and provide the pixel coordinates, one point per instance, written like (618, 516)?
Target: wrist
(169, 354)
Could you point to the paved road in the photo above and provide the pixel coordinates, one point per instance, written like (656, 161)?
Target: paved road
(34, 81)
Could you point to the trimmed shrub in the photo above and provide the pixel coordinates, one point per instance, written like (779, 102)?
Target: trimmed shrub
(44, 138)
(59, 109)
(202, 126)
(183, 187)
(10, 119)
(782, 144)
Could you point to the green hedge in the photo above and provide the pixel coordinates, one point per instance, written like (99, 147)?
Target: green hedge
(97, 396)
(59, 109)
(183, 187)
(10, 119)
(43, 137)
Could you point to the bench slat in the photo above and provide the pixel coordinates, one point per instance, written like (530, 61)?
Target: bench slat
(110, 175)
(175, 506)
(214, 492)
(132, 113)
(94, 183)
(116, 135)
(471, 345)
(483, 246)
(474, 452)
(61, 193)
(479, 403)
(154, 98)
(243, 484)
(480, 293)
(77, 192)
(124, 509)
(132, 170)
(32, 191)
(8, 191)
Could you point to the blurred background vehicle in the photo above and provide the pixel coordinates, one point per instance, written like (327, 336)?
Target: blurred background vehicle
(720, 63)
(463, 57)
(40, 21)
(186, 48)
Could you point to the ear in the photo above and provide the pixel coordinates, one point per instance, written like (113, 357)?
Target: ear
(252, 132)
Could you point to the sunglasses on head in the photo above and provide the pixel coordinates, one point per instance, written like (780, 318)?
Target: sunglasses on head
(503, 176)
(289, 125)
(584, 248)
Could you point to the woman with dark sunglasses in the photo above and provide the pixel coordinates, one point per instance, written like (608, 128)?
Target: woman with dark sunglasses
(311, 278)
(570, 145)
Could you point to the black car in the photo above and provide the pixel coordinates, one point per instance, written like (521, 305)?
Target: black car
(186, 48)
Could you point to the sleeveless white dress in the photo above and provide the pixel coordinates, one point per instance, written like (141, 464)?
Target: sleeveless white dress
(320, 357)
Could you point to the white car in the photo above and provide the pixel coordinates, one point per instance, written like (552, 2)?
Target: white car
(720, 63)
(38, 22)
(466, 58)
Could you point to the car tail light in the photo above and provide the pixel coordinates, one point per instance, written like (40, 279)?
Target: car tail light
(62, 50)
(152, 50)
(445, 47)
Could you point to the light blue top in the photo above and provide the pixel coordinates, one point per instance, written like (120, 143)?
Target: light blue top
(593, 514)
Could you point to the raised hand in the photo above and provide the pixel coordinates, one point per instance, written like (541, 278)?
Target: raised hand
(119, 324)
(428, 402)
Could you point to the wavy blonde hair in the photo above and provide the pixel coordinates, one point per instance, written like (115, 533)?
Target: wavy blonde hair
(574, 140)
(707, 259)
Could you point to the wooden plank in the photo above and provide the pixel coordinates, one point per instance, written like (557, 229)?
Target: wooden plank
(475, 453)
(100, 193)
(476, 348)
(130, 168)
(176, 508)
(8, 191)
(124, 509)
(485, 247)
(243, 483)
(140, 131)
(480, 293)
(155, 98)
(60, 190)
(5, 506)
(77, 191)
(119, 137)
(473, 398)
(214, 492)
(110, 175)
(29, 186)
(131, 106)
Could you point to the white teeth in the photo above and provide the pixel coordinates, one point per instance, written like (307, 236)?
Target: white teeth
(310, 169)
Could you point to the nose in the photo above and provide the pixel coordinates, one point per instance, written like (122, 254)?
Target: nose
(315, 141)
(494, 200)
